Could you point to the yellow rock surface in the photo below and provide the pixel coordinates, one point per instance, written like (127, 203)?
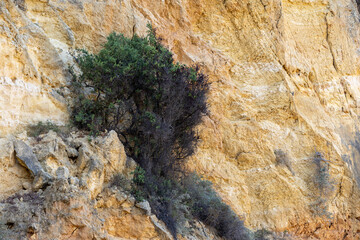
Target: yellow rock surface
(285, 75)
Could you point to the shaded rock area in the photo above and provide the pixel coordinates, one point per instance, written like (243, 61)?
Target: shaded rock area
(78, 198)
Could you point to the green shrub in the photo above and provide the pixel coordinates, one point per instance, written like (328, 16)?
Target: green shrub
(138, 180)
(169, 201)
(42, 128)
(133, 86)
(138, 77)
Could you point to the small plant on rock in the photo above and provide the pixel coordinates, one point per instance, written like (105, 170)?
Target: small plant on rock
(120, 181)
(41, 128)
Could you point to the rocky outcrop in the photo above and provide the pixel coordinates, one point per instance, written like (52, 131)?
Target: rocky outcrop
(285, 75)
(85, 192)
(27, 159)
(79, 202)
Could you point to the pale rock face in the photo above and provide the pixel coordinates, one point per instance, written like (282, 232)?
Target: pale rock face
(285, 75)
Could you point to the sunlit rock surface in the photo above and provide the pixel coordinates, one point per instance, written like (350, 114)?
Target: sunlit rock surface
(285, 75)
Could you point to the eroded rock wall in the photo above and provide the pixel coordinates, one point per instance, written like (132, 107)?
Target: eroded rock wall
(284, 73)
(75, 187)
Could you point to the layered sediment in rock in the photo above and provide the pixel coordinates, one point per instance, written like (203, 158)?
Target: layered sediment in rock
(285, 75)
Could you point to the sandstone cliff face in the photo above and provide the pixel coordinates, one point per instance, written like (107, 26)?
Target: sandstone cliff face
(285, 75)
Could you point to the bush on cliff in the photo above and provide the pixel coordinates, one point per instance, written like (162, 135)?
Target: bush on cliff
(133, 86)
(140, 92)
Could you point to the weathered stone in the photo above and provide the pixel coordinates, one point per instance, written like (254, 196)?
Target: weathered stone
(26, 185)
(121, 197)
(74, 180)
(51, 152)
(33, 228)
(72, 152)
(12, 174)
(130, 168)
(113, 155)
(144, 205)
(27, 158)
(84, 157)
(130, 201)
(41, 180)
(62, 172)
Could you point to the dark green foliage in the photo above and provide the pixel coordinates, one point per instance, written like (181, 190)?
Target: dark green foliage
(41, 128)
(166, 100)
(139, 176)
(138, 184)
(168, 200)
(155, 104)
(175, 202)
(207, 206)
